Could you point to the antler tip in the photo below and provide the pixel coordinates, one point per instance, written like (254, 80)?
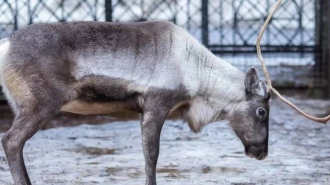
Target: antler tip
(269, 83)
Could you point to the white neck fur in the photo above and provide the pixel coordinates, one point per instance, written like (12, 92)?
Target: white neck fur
(220, 87)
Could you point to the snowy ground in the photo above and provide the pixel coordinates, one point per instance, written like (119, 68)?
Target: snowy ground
(299, 153)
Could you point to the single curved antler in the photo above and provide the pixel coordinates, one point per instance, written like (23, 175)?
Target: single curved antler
(268, 80)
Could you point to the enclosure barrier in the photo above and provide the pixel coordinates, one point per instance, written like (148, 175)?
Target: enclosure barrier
(295, 44)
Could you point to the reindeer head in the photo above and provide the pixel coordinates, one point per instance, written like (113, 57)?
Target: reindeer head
(249, 118)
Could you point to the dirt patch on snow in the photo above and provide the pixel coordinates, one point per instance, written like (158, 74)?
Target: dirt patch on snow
(111, 153)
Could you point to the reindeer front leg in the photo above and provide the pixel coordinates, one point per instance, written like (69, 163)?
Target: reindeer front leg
(152, 122)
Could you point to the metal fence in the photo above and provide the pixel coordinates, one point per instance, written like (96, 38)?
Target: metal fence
(228, 27)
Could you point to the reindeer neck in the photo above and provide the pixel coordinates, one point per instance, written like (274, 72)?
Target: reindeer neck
(220, 86)
(220, 83)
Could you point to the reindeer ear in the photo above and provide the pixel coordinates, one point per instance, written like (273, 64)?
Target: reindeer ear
(251, 80)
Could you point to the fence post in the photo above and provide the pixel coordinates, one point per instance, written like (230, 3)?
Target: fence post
(108, 10)
(326, 49)
(205, 23)
(15, 16)
(322, 39)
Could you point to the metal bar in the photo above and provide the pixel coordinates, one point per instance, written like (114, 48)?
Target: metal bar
(234, 21)
(188, 15)
(205, 23)
(175, 11)
(16, 15)
(222, 22)
(13, 12)
(327, 46)
(108, 10)
(267, 29)
(129, 9)
(300, 27)
(236, 49)
(62, 12)
(52, 11)
(29, 11)
(95, 10)
(33, 12)
(149, 11)
(74, 9)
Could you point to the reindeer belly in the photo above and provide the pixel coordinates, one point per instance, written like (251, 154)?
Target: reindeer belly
(102, 95)
(86, 108)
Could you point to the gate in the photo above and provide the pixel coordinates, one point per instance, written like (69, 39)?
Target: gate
(228, 28)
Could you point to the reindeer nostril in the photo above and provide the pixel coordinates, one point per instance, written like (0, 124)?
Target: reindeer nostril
(262, 155)
(258, 152)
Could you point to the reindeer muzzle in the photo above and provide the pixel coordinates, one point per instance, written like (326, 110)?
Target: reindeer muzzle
(257, 152)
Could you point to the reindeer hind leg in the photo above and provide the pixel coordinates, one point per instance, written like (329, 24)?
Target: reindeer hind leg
(25, 125)
(33, 106)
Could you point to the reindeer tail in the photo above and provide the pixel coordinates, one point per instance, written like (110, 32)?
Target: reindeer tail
(4, 48)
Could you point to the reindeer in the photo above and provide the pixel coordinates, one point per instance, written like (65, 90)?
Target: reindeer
(153, 68)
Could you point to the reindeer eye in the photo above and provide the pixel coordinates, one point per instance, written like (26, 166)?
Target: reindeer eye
(261, 112)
